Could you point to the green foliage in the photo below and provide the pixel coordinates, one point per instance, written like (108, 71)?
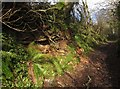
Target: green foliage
(13, 64)
(57, 67)
(82, 43)
(86, 37)
(14, 70)
(60, 5)
(6, 70)
(38, 70)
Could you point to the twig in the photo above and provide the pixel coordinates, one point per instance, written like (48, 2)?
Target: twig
(14, 12)
(15, 24)
(37, 14)
(16, 20)
(12, 27)
(5, 14)
(40, 10)
(88, 83)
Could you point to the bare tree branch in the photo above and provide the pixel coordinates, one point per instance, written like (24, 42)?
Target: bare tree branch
(7, 13)
(12, 27)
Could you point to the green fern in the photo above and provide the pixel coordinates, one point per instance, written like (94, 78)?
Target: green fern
(57, 66)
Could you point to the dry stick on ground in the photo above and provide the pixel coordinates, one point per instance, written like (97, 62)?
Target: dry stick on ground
(88, 83)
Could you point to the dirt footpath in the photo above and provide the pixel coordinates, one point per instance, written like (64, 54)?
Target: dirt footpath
(100, 69)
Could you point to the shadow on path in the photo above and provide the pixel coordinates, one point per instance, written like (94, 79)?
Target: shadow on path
(112, 62)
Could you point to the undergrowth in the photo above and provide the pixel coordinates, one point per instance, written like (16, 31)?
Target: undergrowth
(15, 69)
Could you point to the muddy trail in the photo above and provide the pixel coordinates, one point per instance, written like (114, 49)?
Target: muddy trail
(100, 68)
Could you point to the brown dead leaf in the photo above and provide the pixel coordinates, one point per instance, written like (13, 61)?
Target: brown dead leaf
(31, 72)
